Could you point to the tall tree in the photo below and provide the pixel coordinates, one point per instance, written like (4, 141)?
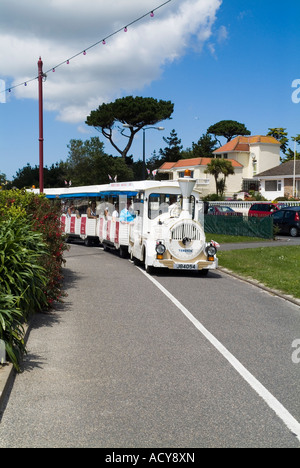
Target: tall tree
(290, 154)
(172, 153)
(87, 164)
(2, 179)
(134, 112)
(228, 129)
(281, 135)
(204, 147)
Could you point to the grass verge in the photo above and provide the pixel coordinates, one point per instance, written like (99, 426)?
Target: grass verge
(224, 239)
(275, 267)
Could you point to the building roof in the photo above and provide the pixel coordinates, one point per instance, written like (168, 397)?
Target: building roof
(242, 143)
(183, 163)
(285, 169)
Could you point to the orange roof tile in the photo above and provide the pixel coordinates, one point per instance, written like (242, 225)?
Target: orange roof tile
(242, 143)
(167, 165)
(193, 162)
(188, 162)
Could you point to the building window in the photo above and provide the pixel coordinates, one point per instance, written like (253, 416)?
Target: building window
(250, 185)
(272, 185)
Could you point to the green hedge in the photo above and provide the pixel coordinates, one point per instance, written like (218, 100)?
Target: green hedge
(31, 259)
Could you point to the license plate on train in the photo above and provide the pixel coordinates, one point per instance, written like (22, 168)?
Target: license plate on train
(185, 266)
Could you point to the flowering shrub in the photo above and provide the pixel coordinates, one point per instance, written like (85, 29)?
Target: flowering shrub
(31, 259)
(45, 216)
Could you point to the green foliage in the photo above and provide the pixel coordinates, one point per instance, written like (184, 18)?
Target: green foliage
(135, 112)
(88, 164)
(2, 179)
(204, 147)
(281, 135)
(172, 153)
(11, 328)
(228, 129)
(31, 257)
(21, 274)
(28, 176)
(219, 167)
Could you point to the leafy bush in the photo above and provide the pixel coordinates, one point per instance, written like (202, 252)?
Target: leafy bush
(11, 328)
(31, 258)
(21, 274)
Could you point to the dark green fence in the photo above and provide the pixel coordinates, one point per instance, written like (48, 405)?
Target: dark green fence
(239, 226)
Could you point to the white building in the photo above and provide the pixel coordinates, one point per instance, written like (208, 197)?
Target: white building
(249, 156)
(281, 181)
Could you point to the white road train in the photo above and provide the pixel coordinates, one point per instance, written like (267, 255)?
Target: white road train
(160, 224)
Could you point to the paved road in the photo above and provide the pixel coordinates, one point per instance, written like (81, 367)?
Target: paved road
(123, 365)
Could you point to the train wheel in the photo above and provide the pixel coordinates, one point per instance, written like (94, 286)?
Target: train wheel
(149, 269)
(123, 252)
(203, 272)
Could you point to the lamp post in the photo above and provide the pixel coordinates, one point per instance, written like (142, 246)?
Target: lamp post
(294, 174)
(144, 143)
(41, 134)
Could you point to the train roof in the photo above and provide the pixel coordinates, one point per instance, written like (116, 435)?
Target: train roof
(115, 188)
(129, 188)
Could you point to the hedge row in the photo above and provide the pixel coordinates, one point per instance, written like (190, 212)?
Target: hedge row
(31, 258)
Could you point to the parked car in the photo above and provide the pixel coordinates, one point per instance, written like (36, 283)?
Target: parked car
(288, 220)
(263, 209)
(223, 210)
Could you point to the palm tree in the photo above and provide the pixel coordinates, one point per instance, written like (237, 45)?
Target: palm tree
(217, 167)
(227, 170)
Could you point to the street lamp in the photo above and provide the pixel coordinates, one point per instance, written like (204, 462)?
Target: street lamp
(144, 143)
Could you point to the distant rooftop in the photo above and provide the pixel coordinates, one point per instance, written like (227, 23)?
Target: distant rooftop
(242, 143)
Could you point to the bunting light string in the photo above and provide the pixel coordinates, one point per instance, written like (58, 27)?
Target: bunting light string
(102, 41)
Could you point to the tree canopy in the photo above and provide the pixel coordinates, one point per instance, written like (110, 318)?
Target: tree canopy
(134, 112)
(87, 164)
(228, 129)
(172, 152)
(204, 147)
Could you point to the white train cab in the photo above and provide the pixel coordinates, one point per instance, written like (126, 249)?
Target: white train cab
(168, 232)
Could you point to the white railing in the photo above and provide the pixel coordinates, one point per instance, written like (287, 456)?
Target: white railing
(202, 182)
(247, 204)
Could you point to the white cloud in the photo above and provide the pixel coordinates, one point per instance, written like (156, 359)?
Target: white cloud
(59, 29)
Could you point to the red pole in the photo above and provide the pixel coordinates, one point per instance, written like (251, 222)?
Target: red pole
(41, 134)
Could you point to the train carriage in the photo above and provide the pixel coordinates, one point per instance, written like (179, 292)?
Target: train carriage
(160, 224)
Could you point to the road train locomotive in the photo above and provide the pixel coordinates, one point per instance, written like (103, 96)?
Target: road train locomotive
(157, 223)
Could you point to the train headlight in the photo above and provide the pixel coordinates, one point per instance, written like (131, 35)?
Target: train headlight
(160, 249)
(211, 252)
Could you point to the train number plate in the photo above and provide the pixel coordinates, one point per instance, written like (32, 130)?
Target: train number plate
(185, 266)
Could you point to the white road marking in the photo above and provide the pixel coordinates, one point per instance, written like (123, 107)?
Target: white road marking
(292, 424)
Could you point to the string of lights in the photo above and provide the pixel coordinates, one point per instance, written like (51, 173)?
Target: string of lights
(84, 51)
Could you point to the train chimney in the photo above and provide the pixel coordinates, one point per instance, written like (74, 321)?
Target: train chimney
(186, 184)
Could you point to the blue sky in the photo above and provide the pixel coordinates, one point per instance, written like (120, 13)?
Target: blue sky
(235, 59)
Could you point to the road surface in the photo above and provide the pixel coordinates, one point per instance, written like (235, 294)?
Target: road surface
(174, 360)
